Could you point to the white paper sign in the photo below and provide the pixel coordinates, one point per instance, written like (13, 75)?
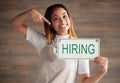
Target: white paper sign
(81, 48)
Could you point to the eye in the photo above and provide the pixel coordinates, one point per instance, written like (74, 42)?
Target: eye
(65, 16)
(55, 19)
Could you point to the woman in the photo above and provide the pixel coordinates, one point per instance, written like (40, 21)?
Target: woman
(58, 24)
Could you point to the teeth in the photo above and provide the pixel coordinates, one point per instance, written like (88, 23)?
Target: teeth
(63, 25)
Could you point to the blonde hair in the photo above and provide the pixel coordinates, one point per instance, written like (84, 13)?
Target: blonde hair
(49, 30)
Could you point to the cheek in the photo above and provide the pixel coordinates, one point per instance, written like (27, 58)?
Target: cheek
(68, 20)
(54, 24)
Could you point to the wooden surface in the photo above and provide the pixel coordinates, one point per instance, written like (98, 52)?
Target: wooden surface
(92, 19)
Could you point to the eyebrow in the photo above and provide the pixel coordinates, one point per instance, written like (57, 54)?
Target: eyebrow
(57, 15)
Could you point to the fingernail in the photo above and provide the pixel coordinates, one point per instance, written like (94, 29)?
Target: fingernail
(49, 23)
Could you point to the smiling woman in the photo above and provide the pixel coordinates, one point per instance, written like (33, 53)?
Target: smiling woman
(57, 23)
(60, 21)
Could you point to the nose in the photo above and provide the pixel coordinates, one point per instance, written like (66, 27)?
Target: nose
(62, 21)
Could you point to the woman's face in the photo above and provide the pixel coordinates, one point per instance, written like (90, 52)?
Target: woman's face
(60, 21)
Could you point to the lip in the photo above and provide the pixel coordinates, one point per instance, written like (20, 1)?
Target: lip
(63, 26)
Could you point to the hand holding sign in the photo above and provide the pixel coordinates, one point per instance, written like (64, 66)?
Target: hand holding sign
(103, 62)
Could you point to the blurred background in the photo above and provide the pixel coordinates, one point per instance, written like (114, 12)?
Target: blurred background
(92, 19)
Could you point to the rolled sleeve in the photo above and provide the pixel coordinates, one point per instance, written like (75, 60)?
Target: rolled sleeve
(37, 39)
(83, 66)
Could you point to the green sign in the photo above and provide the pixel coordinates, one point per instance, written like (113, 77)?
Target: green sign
(81, 48)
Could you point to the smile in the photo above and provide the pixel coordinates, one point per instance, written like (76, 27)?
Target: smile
(63, 26)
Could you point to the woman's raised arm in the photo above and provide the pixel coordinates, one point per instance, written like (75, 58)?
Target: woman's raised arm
(19, 21)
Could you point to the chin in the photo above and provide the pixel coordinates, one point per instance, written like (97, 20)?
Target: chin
(63, 33)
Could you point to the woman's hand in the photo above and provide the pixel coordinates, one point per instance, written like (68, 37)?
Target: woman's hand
(37, 17)
(103, 62)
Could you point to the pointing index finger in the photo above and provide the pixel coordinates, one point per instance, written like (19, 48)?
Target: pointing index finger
(46, 20)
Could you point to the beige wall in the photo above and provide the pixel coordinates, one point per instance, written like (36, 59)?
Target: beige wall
(92, 18)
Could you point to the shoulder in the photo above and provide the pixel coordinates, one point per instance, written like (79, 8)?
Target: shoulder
(36, 38)
(36, 34)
